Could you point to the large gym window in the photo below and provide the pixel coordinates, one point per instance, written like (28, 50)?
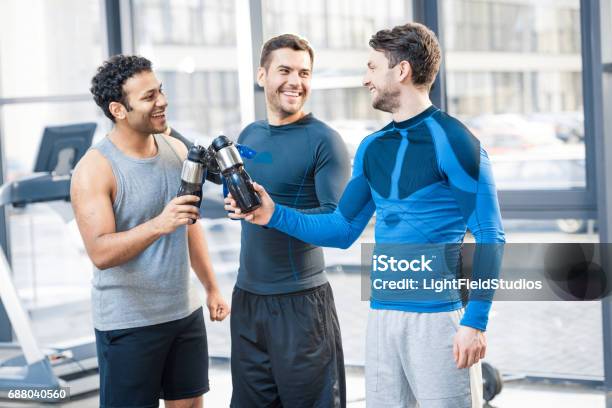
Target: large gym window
(192, 45)
(513, 75)
(44, 76)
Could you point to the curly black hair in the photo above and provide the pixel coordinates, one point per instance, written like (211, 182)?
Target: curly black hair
(107, 84)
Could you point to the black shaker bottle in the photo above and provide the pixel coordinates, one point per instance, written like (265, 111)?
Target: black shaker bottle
(236, 178)
(193, 173)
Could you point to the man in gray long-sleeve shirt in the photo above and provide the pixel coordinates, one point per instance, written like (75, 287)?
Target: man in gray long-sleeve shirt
(286, 345)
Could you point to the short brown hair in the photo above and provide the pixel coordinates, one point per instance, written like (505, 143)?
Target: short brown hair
(284, 41)
(414, 43)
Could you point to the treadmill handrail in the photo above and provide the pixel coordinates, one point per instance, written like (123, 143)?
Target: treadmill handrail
(17, 315)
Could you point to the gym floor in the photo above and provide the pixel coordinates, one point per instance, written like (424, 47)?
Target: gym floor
(513, 394)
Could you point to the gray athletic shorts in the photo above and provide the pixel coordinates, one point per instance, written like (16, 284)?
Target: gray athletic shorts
(409, 362)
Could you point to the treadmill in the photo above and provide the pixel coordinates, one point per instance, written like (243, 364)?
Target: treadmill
(69, 370)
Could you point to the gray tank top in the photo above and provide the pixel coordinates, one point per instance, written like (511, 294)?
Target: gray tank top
(154, 286)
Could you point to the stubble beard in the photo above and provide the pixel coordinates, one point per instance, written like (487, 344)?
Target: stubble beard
(387, 101)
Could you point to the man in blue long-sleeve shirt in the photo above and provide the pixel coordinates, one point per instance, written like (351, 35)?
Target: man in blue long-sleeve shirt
(286, 345)
(428, 179)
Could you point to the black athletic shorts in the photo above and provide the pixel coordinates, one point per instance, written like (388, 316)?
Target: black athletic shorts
(286, 350)
(141, 365)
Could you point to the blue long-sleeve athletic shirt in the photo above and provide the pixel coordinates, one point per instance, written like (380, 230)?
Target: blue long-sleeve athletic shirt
(428, 179)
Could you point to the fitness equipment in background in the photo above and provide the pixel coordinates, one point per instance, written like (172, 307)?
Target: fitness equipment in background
(492, 382)
(74, 366)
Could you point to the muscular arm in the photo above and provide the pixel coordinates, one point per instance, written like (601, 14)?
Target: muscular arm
(485, 224)
(468, 169)
(339, 229)
(332, 170)
(200, 258)
(91, 195)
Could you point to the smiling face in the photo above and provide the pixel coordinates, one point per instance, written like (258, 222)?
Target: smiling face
(382, 82)
(144, 107)
(286, 81)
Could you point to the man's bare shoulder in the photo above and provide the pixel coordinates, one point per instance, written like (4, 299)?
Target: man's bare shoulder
(178, 146)
(93, 173)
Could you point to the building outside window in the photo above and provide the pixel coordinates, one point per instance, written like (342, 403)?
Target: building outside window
(514, 77)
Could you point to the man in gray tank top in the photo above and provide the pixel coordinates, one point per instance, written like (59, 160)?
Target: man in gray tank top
(142, 240)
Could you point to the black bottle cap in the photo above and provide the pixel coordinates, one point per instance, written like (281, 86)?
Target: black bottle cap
(196, 154)
(221, 142)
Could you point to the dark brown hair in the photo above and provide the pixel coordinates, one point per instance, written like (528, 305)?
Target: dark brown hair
(414, 43)
(284, 41)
